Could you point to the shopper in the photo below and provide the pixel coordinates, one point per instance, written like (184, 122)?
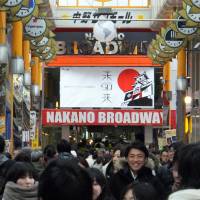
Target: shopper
(140, 191)
(21, 182)
(110, 168)
(3, 157)
(100, 187)
(64, 180)
(49, 154)
(64, 150)
(135, 171)
(189, 173)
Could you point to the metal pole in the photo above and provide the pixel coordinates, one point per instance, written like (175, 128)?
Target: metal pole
(181, 74)
(108, 19)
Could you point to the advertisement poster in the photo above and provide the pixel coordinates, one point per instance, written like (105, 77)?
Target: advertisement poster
(107, 87)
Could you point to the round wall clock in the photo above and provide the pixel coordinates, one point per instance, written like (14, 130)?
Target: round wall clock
(35, 27)
(26, 10)
(193, 16)
(42, 42)
(170, 39)
(182, 28)
(13, 3)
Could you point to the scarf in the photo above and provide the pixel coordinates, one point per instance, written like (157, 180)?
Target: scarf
(15, 192)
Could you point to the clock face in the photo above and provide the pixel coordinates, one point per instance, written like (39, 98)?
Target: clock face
(49, 56)
(181, 26)
(163, 48)
(13, 3)
(42, 42)
(193, 16)
(196, 3)
(26, 10)
(35, 27)
(46, 50)
(170, 39)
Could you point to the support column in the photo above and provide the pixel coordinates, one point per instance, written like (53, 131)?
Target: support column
(35, 78)
(181, 92)
(65, 133)
(3, 70)
(17, 61)
(132, 136)
(166, 93)
(26, 92)
(172, 112)
(2, 27)
(17, 66)
(148, 135)
(166, 76)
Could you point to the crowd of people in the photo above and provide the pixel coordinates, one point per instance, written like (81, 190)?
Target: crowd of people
(126, 172)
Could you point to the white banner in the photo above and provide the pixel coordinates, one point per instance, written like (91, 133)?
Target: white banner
(33, 121)
(107, 87)
(25, 136)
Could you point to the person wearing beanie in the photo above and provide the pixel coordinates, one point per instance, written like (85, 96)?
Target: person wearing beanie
(135, 171)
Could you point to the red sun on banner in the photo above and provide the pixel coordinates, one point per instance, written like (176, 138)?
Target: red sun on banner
(126, 79)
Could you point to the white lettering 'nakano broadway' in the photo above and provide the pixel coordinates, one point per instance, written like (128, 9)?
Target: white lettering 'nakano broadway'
(102, 117)
(70, 117)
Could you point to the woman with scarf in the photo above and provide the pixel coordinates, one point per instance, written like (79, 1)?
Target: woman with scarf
(21, 182)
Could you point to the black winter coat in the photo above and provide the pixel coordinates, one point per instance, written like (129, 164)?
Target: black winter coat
(124, 177)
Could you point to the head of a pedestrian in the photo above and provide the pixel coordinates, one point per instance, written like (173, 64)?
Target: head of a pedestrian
(49, 154)
(98, 183)
(136, 154)
(64, 180)
(171, 153)
(139, 191)
(22, 173)
(189, 166)
(63, 146)
(117, 153)
(164, 157)
(2, 144)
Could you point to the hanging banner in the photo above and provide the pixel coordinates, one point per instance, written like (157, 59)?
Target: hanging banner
(107, 87)
(33, 121)
(8, 123)
(2, 125)
(102, 117)
(35, 141)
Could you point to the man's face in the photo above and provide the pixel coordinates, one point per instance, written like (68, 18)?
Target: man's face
(164, 157)
(136, 159)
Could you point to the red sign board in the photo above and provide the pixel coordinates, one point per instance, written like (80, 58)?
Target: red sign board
(102, 117)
